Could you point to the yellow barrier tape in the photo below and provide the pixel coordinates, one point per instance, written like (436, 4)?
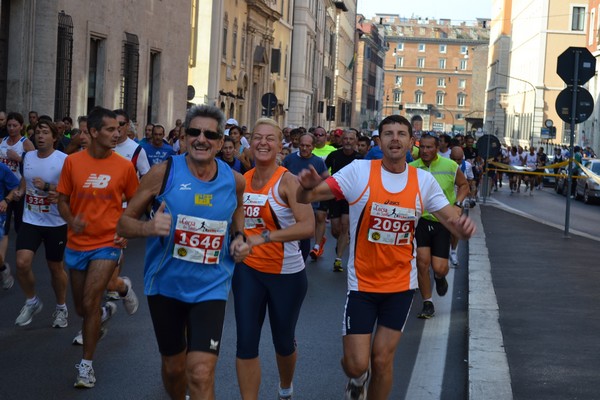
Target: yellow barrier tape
(589, 173)
(511, 169)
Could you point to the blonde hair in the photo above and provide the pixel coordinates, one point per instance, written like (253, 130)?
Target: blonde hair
(269, 122)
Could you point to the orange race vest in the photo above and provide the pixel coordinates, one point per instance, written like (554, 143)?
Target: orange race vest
(384, 259)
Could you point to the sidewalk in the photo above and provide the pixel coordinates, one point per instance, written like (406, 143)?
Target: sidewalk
(533, 310)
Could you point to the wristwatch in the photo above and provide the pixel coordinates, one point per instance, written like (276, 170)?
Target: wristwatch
(266, 235)
(458, 204)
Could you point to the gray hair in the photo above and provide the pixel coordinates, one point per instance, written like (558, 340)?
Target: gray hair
(203, 110)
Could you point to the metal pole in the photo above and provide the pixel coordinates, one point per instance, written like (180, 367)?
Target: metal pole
(571, 142)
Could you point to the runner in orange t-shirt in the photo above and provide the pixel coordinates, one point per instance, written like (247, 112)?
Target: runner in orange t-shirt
(386, 198)
(91, 189)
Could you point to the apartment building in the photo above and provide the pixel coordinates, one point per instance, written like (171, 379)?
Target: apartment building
(429, 68)
(242, 55)
(368, 76)
(540, 31)
(589, 134)
(63, 57)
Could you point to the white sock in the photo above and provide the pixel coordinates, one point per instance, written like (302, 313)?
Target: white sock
(286, 392)
(361, 379)
(61, 306)
(316, 247)
(429, 299)
(32, 301)
(86, 362)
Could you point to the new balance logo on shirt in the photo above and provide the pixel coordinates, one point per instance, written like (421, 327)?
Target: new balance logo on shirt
(97, 181)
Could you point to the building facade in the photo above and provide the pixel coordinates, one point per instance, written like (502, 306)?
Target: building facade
(63, 57)
(368, 75)
(429, 68)
(590, 130)
(540, 31)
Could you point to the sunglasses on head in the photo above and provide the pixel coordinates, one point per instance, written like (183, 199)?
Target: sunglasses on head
(211, 135)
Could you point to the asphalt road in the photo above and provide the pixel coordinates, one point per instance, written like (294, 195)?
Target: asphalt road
(37, 361)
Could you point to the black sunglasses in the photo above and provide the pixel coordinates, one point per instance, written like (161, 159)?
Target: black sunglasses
(210, 135)
(122, 123)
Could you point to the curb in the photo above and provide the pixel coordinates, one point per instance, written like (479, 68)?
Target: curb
(489, 375)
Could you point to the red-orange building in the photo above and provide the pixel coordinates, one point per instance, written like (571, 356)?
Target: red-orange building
(436, 70)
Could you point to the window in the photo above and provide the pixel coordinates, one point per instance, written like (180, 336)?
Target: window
(441, 82)
(460, 116)
(577, 18)
(442, 48)
(225, 27)
(439, 115)
(152, 113)
(234, 38)
(397, 97)
(421, 62)
(419, 97)
(439, 98)
(398, 80)
(399, 62)
(462, 83)
(463, 65)
(64, 64)
(421, 47)
(464, 49)
(130, 66)
(285, 70)
(243, 45)
(420, 81)
(460, 100)
(400, 47)
(276, 61)
(442, 63)
(96, 72)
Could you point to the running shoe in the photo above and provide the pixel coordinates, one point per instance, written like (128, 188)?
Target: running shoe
(60, 318)
(286, 394)
(337, 265)
(6, 277)
(355, 391)
(130, 301)
(314, 254)
(112, 295)
(453, 257)
(78, 340)
(111, 309)
(27, 313)
(428, 310)
(85, 376)
(441, 285)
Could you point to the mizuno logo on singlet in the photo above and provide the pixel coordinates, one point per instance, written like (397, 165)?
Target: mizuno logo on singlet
(97, 181)
(185, 186)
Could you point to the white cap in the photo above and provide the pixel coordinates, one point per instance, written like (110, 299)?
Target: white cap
(375, 133)
(231, 121)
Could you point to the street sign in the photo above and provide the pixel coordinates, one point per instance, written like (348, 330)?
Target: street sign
(488, 146)
(583, 109)
(269, 100)
(586, 66)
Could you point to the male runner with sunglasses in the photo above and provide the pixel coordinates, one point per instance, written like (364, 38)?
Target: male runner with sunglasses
(194, 236)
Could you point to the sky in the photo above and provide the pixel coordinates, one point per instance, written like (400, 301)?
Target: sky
(456, 10)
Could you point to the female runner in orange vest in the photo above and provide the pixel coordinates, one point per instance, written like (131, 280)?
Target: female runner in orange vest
(272, 277)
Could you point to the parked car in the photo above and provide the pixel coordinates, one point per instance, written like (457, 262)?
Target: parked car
(588, 189)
